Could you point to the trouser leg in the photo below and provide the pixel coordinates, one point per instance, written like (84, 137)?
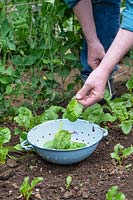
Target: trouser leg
(107, 20)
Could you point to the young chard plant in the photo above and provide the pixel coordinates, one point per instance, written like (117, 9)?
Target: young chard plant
(114, 194)
(68, 182)
(124, 116)
(26, 189)
(97, 115)
(5, 136)
(120, 153)
(121, 109)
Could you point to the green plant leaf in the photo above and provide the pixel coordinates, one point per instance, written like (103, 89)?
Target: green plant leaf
(114, 194)
(126, 126)
(17, 60)
(115, 156)
(111, 192)
(127, 152)
(64, 73)
(24, 117)
(118, 148)
(70, 56)
(10, 44)
(29, 60)
(62, 140)
(107, 117)
(35, 181)
(5, 28)
(120, 196)
(18, 147)
(129, 83)
(68, 182)
(50, 76)
(117, 153)
(25, 188)
(3, 154)
(74, 110)
(9, 89)
(5, 135)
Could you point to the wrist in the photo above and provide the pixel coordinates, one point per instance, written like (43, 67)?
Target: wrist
(105, 70)
(91, 39)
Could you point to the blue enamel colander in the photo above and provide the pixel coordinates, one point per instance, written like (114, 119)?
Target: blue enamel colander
(82, 131)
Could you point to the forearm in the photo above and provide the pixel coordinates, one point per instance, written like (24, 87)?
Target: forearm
(120, 46)
(83, 11)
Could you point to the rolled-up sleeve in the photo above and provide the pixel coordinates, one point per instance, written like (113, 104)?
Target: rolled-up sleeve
(127, 16)
(71, 3)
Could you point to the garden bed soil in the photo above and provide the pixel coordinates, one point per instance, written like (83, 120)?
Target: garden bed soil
(91, 177)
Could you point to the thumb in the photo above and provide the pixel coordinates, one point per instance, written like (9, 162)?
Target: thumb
(83, 91)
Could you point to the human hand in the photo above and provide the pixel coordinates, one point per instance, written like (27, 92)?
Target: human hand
(93, 89)
(96, 53)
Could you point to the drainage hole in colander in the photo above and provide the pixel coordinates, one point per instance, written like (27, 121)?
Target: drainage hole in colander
(37, 140)
(43, 136)
(76, 138)
(82, 132)
(49, 133)
(88, 134)
(93, 137)
(74, 131)
(93, 129)
(82, 140)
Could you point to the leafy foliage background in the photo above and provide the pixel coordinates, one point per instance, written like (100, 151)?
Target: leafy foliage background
(39, 44)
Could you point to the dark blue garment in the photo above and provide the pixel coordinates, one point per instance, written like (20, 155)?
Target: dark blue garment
(107, 20)
(71, 3)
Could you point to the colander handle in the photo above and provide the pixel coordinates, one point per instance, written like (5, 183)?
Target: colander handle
(25, 145)
(105, 132)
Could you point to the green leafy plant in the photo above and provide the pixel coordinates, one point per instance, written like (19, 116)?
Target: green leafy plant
(27, 188)
(124, 116)
(68, 182)
(129, 86)
(73, 110)
(115, 194)
(120, 153)
(10, 88)
(121, 109)
(5, 136)
(62, 140)
(38, 39)
(5, 149)
(97, 115)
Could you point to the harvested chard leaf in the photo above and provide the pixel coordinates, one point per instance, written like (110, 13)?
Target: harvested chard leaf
(49, 145)
(76, 145)
(74, 110)
(62, 140)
